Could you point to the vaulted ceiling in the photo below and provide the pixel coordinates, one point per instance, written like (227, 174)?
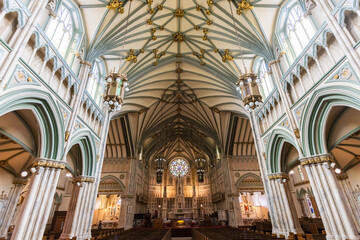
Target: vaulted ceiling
(182, 58)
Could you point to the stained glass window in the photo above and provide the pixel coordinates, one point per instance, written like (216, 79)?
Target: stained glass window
(312, 212)
(179, 167)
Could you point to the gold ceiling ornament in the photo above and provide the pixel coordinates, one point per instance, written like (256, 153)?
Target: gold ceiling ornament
(204, 37)
(150, 21)
(202, 51)
(160, 7)
(208, 22)
(151, 11)
(198, 7)
(161, 28)
(155, 63)
(202, 63)
(179, 13)
(197, 28)
(207, 12)
(178, 55)
(243, 6)
(227, 56)
(149, 2)
(142, 50)
(3, 162)
(131, 57)
(297, 133)
(116, 4)
(153, 30)
(155, 50)
(216, 50)
(154, 38)
(178, 37)
(210, 2)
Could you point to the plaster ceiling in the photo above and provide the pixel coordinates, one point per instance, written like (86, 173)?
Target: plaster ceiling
(183, 59)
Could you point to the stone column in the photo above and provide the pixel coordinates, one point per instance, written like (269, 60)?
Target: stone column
(231, 196)
(128, 203)
(78, 208)
(350, 200)
(37, 205)
(275, 67)
(93, 190)
(261, 156)
(83, 76)
(164, 203)
(333, 209)
(280, 228)
(286, 211)
(11, 205)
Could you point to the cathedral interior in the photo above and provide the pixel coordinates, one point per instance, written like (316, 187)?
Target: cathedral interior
(179, 119)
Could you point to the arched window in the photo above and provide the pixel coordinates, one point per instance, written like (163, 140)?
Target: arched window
(64, 30)
(295, 29)
(96, 83)
(266, 83)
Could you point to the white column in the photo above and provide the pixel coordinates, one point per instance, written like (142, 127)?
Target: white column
(350, 200)
(335, 213)
(11, 206)
(36, 207)
(323, 214)
(79, 208)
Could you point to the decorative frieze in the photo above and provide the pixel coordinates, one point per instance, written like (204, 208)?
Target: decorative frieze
(278, 176)
(42, 162)
(317, 159)
(83, 179)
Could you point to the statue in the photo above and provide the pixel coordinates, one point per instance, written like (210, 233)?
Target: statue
(51, 7)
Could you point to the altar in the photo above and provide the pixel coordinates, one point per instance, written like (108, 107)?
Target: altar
(181, 214)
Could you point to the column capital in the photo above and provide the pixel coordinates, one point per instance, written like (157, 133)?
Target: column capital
(317, 159)
(274, 62)
(19, 181)
(342, 176)
(83, 179)
(86, 63)
(278, 176)
(49, 163)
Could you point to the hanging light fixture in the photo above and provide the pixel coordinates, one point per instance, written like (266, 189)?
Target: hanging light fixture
(160, 160)
(200, 161)
(117, 82)
(248, 82)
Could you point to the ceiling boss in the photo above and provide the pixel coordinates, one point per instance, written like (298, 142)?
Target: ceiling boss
(243, 6)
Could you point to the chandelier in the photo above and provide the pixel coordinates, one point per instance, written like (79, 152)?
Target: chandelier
(115, 90)
(117, 83)
(160, 160)
(200, 161)
(249, 89)
(248, 83)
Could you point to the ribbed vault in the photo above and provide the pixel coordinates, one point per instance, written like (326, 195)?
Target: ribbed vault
(182, 59)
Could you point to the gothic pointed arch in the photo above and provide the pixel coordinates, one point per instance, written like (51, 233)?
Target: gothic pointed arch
(275, 146)
(87, 145)
(316, 112)
(47, 113)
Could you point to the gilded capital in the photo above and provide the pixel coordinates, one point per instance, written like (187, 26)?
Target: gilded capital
(317, 159)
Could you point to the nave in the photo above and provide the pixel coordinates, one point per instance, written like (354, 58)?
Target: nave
(158, 119)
